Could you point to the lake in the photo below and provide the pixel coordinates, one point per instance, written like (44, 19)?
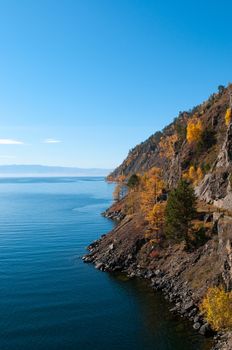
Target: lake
(50, 299)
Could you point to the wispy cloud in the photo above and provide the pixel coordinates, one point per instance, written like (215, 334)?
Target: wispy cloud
(10, 142)
(51, 141)
(6, 157)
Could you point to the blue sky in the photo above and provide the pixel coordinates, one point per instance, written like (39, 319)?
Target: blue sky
(83, 81)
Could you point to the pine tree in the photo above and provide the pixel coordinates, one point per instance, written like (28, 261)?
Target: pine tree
(180, 211)
(133, 181)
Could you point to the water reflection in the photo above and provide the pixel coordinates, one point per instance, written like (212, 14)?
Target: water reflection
(158, 324)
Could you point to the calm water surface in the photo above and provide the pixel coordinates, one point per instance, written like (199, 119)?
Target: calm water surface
(49, 299)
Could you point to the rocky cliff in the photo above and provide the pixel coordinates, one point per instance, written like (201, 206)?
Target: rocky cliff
(183, 276)
(150, 153)
(216, 185)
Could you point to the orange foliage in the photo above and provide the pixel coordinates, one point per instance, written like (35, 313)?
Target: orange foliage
(194, 175)
(194, 130)
(166, 146)
(118, 192)
(132, 202)
(155, 217)
(151, 187)
(121, 178)
(228, 116)
(217, 307)
(144, 197)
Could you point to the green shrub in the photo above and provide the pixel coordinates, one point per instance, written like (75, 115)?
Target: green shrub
(180, 211)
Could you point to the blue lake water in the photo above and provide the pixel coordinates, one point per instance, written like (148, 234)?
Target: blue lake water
(49, 299)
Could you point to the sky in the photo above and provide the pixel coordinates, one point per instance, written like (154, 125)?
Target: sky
(84, 81)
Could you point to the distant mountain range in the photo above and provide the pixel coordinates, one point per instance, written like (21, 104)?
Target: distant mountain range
(43, 170)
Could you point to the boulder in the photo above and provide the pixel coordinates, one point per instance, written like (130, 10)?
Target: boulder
(98, 265)
(197, 326)
(205, 330)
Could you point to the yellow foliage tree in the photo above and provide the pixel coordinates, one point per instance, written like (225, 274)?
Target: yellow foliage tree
(132, 202)
(194, 175)
(166, 146)
(119, 190)
(155, 217)
(217, 307)
(194, 130)
(151, 187)
(121, 178)
(228, 116)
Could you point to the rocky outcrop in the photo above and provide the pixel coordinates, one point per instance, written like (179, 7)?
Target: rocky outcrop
(225, 250)
(216, 187)
(223, 341)
(183, 277)
(149, 154)
(118, 249)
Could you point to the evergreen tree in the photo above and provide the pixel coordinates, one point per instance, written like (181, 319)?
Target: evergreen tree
(180, 211)
(133, 181)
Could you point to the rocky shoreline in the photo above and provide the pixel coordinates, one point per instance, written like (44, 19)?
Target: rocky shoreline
(182, 277)
(182, 299)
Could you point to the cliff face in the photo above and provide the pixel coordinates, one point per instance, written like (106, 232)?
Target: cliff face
(225, 250)
(213, 153)
(216, 185)
(184, 277)
(150, 153)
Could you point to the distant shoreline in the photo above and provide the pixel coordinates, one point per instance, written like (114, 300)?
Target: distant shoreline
(21, 176)
(36, 170)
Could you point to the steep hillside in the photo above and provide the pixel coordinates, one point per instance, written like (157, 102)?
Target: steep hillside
(169, 150)
(196, 257)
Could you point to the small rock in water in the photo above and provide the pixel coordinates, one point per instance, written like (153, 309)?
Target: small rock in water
(197, 325)
(205, 330)
(99, 265)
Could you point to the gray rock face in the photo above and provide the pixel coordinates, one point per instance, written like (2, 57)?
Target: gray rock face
(224, 342)
(98, 265)
(225, 249)
(215, 187)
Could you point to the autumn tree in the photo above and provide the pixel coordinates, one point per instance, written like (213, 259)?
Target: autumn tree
(228, 116)
(133, 194)
(194, 130)
(155, 218)
(167, 145)
(179, 212)
(118, 192)
(217, 308)
(132, 203)
(194, 175)
(152, 186)
(151, 190)
(120, 188)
